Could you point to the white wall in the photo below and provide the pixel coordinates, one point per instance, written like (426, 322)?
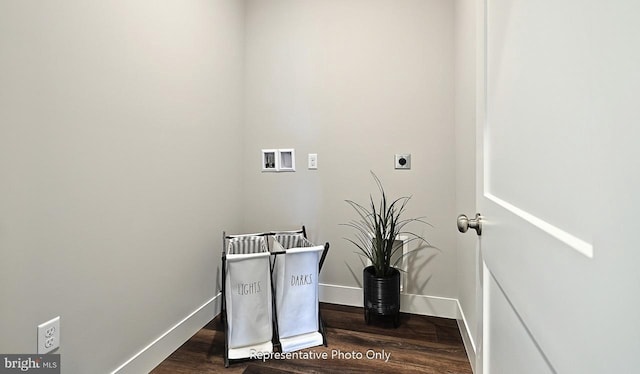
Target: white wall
(465, 135)
(114, 117)
(354, 81)
(116, 122)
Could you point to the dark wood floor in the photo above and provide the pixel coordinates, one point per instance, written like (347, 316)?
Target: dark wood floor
(420, 345)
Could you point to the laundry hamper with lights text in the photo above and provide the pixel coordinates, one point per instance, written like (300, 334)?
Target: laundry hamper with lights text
(247, 312)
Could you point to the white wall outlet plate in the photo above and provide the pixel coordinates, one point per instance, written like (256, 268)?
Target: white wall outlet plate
(313, 161)
(49, 336)
(403, 161)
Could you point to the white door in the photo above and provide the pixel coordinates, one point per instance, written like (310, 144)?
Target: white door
(559, 186)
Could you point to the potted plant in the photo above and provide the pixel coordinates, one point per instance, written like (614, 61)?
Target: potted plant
(376, 236)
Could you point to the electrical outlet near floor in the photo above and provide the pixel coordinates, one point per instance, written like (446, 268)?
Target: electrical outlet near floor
(49, 336)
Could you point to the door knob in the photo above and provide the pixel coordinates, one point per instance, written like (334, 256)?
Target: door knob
(464, 223)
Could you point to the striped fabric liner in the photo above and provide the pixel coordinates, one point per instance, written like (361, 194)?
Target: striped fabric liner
(304, 242)
(246, 244)
(292, 240)
(289, 240)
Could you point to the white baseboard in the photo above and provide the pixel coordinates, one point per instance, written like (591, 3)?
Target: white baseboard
(467, 338)
(158, 350)
(417, 304)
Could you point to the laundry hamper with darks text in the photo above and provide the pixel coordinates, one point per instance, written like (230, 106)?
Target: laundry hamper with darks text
(296, 267)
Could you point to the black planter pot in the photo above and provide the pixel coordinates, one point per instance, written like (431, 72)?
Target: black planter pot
(381, 295)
